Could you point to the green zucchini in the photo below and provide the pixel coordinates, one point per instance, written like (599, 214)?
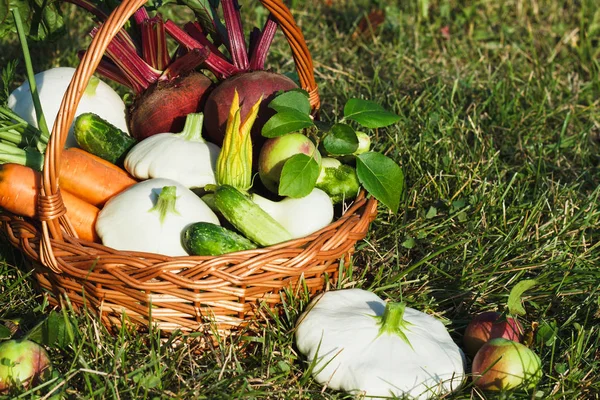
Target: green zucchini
(208, 239)
(99, 137)
(247, 217)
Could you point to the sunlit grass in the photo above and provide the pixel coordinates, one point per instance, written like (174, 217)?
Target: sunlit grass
(499, 144)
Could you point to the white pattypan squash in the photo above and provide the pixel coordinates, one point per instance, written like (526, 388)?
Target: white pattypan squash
(184, 157)
(300, 216)
(150, 217)
(361, 344)
(52, 85)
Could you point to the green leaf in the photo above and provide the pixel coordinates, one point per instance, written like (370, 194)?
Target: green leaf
(409, 243)
(206, 14)
(298, 176)
(432, 213)
(52, 331)
(369, 114)
(5, 332)
(381, 177)
(341, 140)
(41, 18)
(286, 121)
(561, 368)
(547, 333)
(295, 99)
(514, 298)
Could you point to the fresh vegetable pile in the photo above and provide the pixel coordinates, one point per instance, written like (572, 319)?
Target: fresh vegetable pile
(213, 155)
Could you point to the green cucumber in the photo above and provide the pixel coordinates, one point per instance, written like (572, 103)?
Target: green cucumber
(247, 217)
(99, 137)
(209, 199)
(208, 239)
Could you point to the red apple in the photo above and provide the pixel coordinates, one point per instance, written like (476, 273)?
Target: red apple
(503, 364)
(21, 362)
(489, 325)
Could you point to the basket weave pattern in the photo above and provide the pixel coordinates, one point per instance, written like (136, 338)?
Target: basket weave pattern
(175, 292)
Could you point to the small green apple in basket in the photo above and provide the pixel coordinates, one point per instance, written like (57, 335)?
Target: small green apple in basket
(301, 154)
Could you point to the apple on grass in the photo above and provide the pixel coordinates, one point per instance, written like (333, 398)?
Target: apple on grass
(22, 362)
(490, 325)
(503, 364)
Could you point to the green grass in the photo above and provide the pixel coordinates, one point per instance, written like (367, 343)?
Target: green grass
(499, 141)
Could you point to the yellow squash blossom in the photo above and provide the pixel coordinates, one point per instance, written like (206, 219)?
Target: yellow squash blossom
(234, 164)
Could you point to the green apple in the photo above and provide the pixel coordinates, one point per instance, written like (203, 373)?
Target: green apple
(276, 151)
(21, 362)
(503, 364)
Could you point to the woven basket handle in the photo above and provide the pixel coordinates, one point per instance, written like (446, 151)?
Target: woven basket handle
(302, 57)
(51, 209)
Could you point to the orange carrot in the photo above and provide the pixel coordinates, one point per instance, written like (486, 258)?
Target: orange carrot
(19, 189)
(19, 186)
(91, 178)
(82, 215)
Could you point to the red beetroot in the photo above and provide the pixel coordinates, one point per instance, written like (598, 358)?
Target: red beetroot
(250, 86)
(244, 71)
(176, 99)
(490, 325)
(166, 87)
(154, 75)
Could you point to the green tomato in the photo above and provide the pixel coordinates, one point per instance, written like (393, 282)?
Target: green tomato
(338, 180)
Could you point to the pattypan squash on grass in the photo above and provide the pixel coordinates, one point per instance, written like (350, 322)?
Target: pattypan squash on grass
(358, 343)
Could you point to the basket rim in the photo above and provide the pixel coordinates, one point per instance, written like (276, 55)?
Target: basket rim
(362, 207)
(137, 270)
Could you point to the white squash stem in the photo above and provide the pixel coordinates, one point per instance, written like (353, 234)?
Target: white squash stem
(392, 321)
(165, 203)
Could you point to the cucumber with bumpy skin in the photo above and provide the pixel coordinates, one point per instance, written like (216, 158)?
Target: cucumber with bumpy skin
(207, 239)
(248, 217)
(99, 137)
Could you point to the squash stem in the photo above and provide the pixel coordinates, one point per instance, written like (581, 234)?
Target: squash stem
(92, 85)
(165, 203)
(192, 130)
(392, 321)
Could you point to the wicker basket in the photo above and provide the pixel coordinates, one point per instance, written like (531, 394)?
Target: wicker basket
(182, 293)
